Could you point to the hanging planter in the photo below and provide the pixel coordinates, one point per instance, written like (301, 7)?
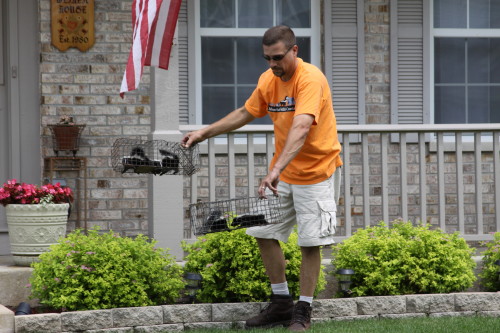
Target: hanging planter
(66, 135)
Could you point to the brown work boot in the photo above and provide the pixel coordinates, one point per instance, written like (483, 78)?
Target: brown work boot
(277, 313)
(301, 319)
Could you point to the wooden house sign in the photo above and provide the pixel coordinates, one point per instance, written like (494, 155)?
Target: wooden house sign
(72, 24)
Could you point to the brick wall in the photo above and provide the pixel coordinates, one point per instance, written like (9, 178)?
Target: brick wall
(377, 62)
(86, 85)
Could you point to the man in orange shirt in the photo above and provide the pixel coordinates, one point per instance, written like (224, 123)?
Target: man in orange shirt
(297, 97)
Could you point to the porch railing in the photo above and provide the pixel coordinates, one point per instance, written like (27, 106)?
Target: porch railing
(444, 175)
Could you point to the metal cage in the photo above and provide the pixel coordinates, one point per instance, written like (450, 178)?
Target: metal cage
(156, 157)
(227, 215)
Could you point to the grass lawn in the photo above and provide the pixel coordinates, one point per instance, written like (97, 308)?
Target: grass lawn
(410, 325)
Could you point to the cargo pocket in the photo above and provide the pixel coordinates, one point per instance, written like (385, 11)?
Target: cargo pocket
(328, 211)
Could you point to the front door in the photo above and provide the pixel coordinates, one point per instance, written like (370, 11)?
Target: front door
(4, 141)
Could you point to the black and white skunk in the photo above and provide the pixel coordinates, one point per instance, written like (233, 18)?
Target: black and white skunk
(138, 159)
(169, 162)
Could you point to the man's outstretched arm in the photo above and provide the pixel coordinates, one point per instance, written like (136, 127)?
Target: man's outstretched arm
(232, 121)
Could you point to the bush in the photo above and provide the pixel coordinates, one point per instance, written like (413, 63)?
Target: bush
(232, 268)
(405, 259)
(101, 271)
(490, 271)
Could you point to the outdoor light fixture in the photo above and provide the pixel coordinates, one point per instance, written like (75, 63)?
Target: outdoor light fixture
(345, 276)
(193, 281)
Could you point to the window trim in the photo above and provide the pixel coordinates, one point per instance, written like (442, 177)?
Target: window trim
(447, 33)
(195, 49)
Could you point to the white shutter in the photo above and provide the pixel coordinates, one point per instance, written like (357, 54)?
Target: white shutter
(344, 52)
(407, 62)
(182, 24)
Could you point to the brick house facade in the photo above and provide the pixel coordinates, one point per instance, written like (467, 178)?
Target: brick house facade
(86, 86)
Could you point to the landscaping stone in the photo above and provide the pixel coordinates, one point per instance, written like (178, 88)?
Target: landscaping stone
(430, 303)
(38, 323)
(86, 320)
(208, 325)
(489, 313)
(181, 317)
(234, 311)
(13, 288)
(349, 318)
(6, 320)
(329, 308)
(453, 314)
(381, 305)
(402, 315)
(140, 316)
(113, 330)
(184, 313)
(159, 328)
(477, 302)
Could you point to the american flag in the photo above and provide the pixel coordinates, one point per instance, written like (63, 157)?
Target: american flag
(154, 26)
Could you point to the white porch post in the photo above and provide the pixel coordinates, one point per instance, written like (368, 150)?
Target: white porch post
(166, 192)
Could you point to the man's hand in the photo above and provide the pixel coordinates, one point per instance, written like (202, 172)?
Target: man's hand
(293, 144)
(191, 139)
(271, 182)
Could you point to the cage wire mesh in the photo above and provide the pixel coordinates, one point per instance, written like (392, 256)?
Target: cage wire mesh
(157, 157)
(227, 215)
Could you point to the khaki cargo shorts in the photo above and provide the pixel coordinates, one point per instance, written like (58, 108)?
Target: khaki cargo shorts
(311, 207)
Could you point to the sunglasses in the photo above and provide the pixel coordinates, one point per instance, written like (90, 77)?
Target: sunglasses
(278, 57)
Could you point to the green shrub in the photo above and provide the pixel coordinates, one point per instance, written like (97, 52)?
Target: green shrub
(101, 271)
(405, 259)
(489, 274)
(232, 268)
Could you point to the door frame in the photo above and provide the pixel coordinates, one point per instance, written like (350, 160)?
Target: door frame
(21, 57)
(23, 75)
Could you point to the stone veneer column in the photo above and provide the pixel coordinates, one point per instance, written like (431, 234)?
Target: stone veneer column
(166, 192)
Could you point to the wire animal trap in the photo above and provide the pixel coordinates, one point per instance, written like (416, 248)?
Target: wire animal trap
(227, 215)
(158, 157)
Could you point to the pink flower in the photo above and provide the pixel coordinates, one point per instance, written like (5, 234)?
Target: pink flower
(13, 192)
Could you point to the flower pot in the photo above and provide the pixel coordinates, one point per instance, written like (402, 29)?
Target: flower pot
(33, 228)
(66, 137)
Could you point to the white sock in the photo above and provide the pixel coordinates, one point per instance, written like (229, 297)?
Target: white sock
(280, 288)
(306, 299)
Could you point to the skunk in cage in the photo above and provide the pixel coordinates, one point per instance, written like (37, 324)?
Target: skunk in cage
(157, 157)
(227, 215)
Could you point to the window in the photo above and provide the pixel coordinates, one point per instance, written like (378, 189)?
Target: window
(228, 41)
(466, 61)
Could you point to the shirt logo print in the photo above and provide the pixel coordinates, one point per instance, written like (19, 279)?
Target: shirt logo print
(286, 105)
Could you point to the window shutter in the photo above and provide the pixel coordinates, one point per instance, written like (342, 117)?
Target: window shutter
(182, 34)
(407, 62)
(344, 59)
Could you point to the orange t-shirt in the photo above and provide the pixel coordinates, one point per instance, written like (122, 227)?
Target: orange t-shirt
(307, 92)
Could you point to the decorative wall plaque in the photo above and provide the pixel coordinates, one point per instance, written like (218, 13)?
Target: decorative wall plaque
(72, 24)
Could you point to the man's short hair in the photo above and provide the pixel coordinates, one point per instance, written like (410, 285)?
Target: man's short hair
(279, 33)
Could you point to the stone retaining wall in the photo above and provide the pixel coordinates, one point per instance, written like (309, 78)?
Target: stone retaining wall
(176, 318)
